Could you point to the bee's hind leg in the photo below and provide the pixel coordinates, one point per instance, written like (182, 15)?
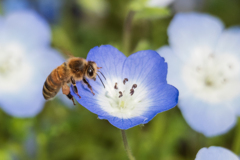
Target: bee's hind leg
(75, 87)
(66, 91)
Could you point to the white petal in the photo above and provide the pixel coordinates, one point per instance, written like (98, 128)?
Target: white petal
(194, 33)
(174, 76)
(215, 153)
(26, 27)
(229, 42)
(209, 119)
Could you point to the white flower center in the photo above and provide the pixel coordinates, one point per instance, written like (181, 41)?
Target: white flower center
(213, 77)
(124, 99)
(14, 69)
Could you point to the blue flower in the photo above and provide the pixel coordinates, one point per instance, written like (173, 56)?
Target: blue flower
(204, 64)
(49, 9)
(26, 59)
(146, 72)
(215, 153)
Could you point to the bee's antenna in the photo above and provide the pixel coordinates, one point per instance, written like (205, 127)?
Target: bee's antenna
(102, 75)
(101, 80)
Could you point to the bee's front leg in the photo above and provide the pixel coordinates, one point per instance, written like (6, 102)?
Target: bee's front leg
(66, 91)
(89, 86)
(75, 87)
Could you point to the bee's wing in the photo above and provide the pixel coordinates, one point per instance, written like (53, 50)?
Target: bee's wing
(67, 53)
(64, 51)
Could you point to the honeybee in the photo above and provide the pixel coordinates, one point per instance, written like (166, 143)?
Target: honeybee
(75, 69)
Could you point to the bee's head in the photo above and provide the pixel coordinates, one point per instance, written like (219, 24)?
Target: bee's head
(91, 71)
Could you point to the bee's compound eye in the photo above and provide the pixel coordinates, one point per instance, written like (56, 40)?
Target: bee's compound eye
(90, 72)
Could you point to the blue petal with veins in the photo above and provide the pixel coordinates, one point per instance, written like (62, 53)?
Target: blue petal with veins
(145, 69)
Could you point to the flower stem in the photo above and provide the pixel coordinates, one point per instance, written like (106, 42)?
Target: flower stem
(236, 142)
(126, 146)
(127, 32)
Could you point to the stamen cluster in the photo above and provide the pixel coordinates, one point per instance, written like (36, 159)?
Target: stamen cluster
(124, 82)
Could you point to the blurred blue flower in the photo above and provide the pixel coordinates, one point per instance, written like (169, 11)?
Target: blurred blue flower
(26, 59)
(204, 64)
(14, 5)
(145, 69)
(215, 153)
(49, 9)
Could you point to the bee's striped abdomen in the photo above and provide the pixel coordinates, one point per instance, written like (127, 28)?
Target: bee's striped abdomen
(53, 83)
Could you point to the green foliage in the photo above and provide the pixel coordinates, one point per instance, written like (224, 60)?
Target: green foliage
(137, 5)
(63, 133)
(152, 13)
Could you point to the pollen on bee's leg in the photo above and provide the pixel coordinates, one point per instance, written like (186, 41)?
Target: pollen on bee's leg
(125, 80)
(115, 87)
(120, 94)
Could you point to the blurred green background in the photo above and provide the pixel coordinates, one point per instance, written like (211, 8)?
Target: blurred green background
(74, 133)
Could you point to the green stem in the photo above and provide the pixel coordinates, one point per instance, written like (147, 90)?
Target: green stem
(127, 32)
(236, 142)
(126, 146)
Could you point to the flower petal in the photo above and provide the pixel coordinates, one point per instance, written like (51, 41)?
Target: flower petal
(29, 101)
(111, 60)
(175, 65)
(1, 21)
(235, 104)
(14, 5)
(27, 104)
(194, 32)
(215, 153)
(45, 60)
(165, 97)
(148, 70)
(27, 27)
(50, 9)
(145, 67)
(229, 42)
(209, 119)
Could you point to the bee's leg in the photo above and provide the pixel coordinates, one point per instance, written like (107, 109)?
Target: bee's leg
(66, 91)
(75, 87)
(89, 86)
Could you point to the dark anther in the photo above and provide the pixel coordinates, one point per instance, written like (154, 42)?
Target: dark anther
(131, 91)
(120, 94)
(134, 86)
(115, 87)
(125, 80)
